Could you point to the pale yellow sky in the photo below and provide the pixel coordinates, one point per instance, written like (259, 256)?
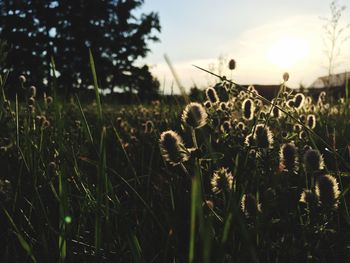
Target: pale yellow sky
(292, 43)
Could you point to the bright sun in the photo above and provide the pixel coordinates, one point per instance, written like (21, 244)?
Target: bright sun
(286, 52)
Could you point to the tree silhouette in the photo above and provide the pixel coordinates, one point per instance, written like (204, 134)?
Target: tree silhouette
(38, 30)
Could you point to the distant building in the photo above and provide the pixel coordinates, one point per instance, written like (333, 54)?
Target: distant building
(267, 91)
(335, 80)
(334, 85)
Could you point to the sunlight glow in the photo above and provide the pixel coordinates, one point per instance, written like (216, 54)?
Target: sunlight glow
(286, 52)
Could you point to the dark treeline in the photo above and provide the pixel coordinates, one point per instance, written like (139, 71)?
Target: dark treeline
(39, 32)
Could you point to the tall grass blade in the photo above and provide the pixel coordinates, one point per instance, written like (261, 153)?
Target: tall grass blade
(25, 245)
(97, 89)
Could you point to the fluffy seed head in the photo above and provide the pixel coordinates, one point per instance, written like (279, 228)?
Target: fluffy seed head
(286, 76)
(276, 112)
(311, 121)
(249, 205)
(249, 140)
(225, 127)
(49, 100)
(299, 100)
(327, 190)
(149, 126)
(302, 135)
(212, 96)
(194, 115)
(172, 147)
(297, 127)
(313, 160)
(309, 197)
(22, 78)
(207, 104)
(248, 109)
(251, 88)
(209, 204)
(290, 103)
(32, 91)
(263, 136)
(223, 106)
(288, 156)
(232, 64)
(240, 126)
(31, 101)
(242, 95)
(221, 180)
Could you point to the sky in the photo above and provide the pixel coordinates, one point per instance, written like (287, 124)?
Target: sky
(265, 38)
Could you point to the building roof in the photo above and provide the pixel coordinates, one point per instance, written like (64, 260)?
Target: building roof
(335, 80)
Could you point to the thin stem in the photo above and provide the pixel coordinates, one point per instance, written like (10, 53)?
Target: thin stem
(193, 133)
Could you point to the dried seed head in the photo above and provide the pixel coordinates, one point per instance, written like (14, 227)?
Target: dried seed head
(286, 76)
(52, 167)
(240, 125)
(249, 205)
(32, 91)
(299, 100)
(251, 88)
(309, 197)
(209, 204)
(225, 127)
(172, 147)
(46, 124)
(212, 96)
(242, 94)
(263, 136)
(223, 106)
(313, 160)
(49, 100)
(194, 115)
(222, 180)
(288, 156)
(119, 122)
(31, 101)
(276, 113)
(302, 135)
(327, 190)
(31, 109)
(207, 104)
(149, 126)
(258, 103)
(297, 127)
(232, 64)
(290, 103)
(249, 140)
(311, 121)
(22, 79)
(248, 108)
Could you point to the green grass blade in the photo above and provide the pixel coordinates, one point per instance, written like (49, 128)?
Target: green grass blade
(194, 201)
(25, 245)
(97, 89)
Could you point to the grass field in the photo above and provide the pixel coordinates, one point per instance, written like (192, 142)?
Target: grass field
(234, 179)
